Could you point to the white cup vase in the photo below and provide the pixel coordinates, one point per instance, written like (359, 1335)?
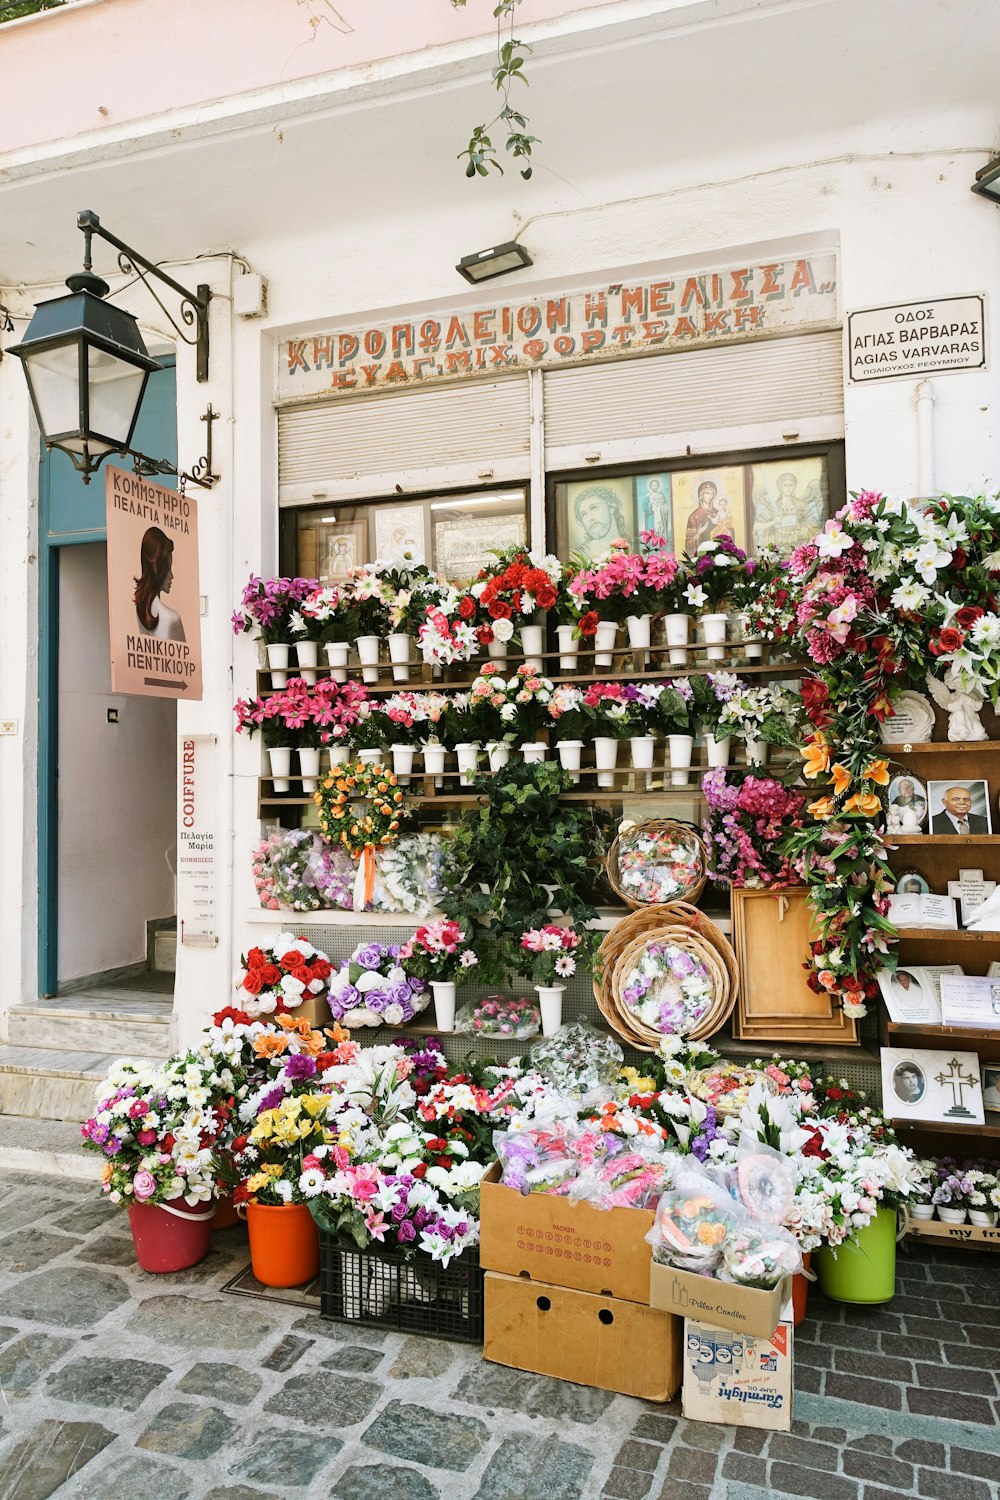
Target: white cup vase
(468, 759)
(371, 757)
(339, 754)
(337, 654)
(604, 643)
(308, 655)
(498, 753)
(680, 748)
(643, 746)
(753, 650)
(713, 632)
(534, 752)
(277, 662)
(550, 1003)
(309, 767)
(367, 649)
(717, 751)
(434, 761)
(569, 756)
(532, 645)
(982, 1218)
(756, 752)
(951, 1215)
(921, 1210)
(497, 650)
(640, 629)
(569, 647)
(677, 633)
(443, 991)
(400, 654)
(280, 757)
(606, 757)
(402, 762)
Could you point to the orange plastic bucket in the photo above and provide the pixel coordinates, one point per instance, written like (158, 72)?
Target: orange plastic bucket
(284, 1244)
(168, 1238)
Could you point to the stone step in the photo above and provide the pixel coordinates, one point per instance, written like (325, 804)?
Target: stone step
(50, 1148)
(128, 1023)
(43, 1084)
(165, 950)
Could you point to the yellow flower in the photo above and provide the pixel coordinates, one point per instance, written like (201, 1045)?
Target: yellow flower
(841, 779)
(817, 760)
(878, 772)
(315, 1105)
(823, 808)
(863, 802)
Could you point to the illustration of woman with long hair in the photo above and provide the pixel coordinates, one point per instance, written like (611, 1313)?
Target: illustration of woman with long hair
(156, 564)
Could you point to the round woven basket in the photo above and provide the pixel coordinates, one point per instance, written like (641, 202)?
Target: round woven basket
(680, 938)
(623, 933)
(665, 827)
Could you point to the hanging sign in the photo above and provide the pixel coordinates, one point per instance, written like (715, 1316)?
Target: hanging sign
(917, 338)
(153, 589)
(675, 312)
(197, 852)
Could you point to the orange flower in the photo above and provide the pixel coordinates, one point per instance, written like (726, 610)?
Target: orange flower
(817, 760)
(823, 808)
(841, 779)
(878, 772)
(337, 1033)
(312, 1041)
(267, 1045)
(863, 802)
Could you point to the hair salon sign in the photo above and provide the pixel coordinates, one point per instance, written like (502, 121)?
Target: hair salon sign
(677, 312)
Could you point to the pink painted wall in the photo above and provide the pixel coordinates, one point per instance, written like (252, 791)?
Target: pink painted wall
(100, 65)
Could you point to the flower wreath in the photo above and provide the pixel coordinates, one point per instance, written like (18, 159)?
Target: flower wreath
(361, 831)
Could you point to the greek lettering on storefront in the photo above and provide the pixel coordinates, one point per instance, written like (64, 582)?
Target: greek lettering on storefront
(153, 589)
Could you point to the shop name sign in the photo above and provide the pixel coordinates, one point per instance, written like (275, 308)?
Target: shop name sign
(917, 338)
(196, 843)
(710, 307)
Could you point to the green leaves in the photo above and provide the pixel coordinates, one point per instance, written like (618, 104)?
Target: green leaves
(480, 154)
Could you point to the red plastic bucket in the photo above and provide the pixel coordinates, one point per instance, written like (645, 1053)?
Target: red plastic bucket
(168, 1238)
(800, 1292)
(226, 1216)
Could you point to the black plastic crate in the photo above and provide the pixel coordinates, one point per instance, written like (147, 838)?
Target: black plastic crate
(386, 1289)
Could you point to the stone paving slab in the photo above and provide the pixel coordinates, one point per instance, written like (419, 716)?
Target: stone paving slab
(119, 1385)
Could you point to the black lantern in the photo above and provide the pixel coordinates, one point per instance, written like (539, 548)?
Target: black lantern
(86, 367)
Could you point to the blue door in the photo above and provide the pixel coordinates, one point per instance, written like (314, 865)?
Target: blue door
(72, 513)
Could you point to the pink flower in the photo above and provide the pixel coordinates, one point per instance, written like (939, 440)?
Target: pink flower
(143, 1185)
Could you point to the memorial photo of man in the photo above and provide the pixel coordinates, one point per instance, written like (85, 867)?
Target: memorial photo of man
(955, 814)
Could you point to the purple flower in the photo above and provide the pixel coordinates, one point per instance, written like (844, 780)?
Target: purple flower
(406, 1233)
(98, 1132)
(408, 1011)
(376, 1000)
(113, 1146)
(370, 956)
(399, 993)
(398, 1213)
(421, 1218)
(300, 1066)
(349, 997)
(271, 1099)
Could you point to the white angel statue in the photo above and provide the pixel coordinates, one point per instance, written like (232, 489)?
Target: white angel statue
(963, 710)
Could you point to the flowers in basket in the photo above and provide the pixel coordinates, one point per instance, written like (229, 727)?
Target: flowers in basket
(439, 950)
(372, 987)
(657, 863)
(668, 988)
(360, 1202)
(282, 977)
(267, 607)
(745, 820)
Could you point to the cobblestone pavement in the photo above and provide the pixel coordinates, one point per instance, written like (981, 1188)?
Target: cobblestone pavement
(118, 1385)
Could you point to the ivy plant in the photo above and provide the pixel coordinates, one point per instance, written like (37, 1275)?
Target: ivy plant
(480, 154)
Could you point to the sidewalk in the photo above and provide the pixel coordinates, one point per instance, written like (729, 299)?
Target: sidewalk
(119, 1385)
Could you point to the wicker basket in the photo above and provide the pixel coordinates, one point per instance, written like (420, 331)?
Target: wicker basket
(652, 827)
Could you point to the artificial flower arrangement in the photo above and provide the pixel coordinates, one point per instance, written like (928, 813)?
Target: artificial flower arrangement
(446, 636)
(327, 614)
(715, 570)
(372, 987)
(762, 598)
(439, 951)
(746, 819)
(548, 955)
(517, 586)
(282, 976)
(668, 988)
(507, 706)
(304, 714)
(294, 869)
(516, 1017)
(267, 607)
(762, 712)
(656, 862)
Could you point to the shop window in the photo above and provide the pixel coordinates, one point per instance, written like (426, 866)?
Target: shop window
(771, 498)
(454, 534)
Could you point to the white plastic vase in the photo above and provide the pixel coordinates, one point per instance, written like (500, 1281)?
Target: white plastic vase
(951, 1215)
(309, 768)
(756, 751)
(550, 1003)
(717, 751)
(569, 647)
(753, 650)
(569, 756)
(981, 1217)
(468, 757)
(308, 655)
(277, 664)
(400, 653)
(402, 762)
(534, 752)
(497, 649)
(532, 645)
(680, 747)
(639, 629)
(604, 643)
(713, 630)
(371, 757)
(677, 633)
(499, 754)
(921, 1210)
(444, 1004)
(337, 653)
(434, 761)
(606, 756)
(367, 649)
(339, 754)
(643, 746)
(280, 757)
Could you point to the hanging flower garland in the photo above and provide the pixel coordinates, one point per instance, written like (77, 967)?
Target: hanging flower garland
(360, 830)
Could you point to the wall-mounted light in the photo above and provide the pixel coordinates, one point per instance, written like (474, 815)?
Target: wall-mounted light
(497, 261)
(987, 181)
(87, 366)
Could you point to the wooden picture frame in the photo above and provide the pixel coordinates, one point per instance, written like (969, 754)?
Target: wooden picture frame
(772, 931)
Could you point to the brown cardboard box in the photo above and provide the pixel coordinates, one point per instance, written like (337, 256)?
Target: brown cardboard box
(602, 1341)
(719, 1304)
(738, 1380)
(567, 1244)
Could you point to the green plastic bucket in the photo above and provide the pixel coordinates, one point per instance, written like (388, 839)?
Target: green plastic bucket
(863, 1268)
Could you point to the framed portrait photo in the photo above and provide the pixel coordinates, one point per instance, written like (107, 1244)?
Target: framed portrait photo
(991, 1088)
(911, 883)
(652, 506)
(909, 999)
(943, 1087)
(959, 808)
(906, 811)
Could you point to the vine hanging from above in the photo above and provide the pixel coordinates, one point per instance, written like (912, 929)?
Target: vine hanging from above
(481, 153)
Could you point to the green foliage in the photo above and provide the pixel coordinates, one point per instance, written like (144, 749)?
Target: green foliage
(481, 153)
(12, 10)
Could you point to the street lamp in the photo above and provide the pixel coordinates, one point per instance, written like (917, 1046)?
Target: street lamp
(87, 366)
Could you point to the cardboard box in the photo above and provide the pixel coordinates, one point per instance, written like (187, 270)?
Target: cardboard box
(969, 1234)
(592, 1340)
(738, 1380)
(567, 1244)
(719, 1304)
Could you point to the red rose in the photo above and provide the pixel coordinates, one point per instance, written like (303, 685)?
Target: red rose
(589, 622)
(241, 1193)
(834, 1093)
(499, 610)
(230, 1013)
(291, 960)
(814, 1146)
(420, 1170)
(270, 974)
(968, 616)
(545, 596)
(958, 558)
(252, 982)
(303, 974)
(321, 968)
(485, 636)
(948, 639)
(467, 607)
(256, 958)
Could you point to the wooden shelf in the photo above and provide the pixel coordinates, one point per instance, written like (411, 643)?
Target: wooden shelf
(947, 934)
(939, 840)
(941, 747)
(947, 1127)
(947, 1034)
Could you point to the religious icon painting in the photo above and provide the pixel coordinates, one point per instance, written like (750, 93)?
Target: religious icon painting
(943, 1086)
